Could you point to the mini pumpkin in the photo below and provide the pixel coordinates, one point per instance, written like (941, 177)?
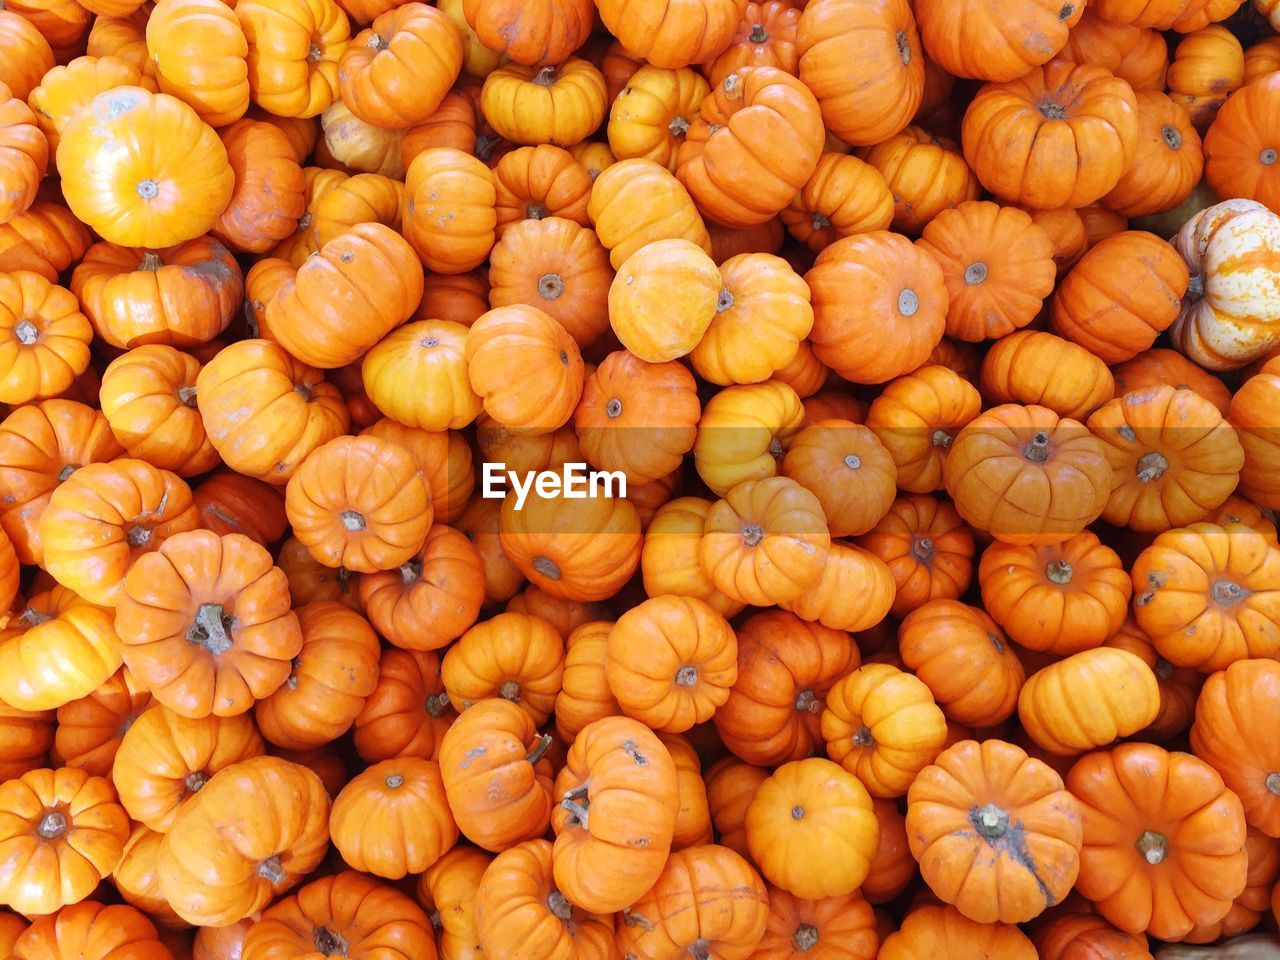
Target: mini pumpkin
(1035, 367)
(560, 105)
(927, 548)
(408, 711)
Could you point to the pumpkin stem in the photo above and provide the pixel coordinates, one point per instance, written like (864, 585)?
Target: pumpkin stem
(187, 396)
(547, 567)
(1272, 783)
(150, 262)
(1267, 157)
(1037, 451)
(922, 549)
(31, 617)
(1171, 137)
(990, 821)
(758, 33)
(852, 461)
(65, 473)
(807, 702)
(806, 937)
(1227, 593)
(352, 520)
(539, 749)
(138, 535)
(904, 47)
(975, 273)
(1195, 286)
(579, 813)
(1153, 846)
(1059, 572)
(797, 812)
(820, 221)
(940, 438)
(559, 906)
(908, 303)
(776, 448)
(700, 949)
(509, 690)
(545, 77)
(632, 750)
(194, 781)
(730, 86)
(430, 342)
(1067, 10)
(330, 943)
(26, 332)
(1051, 110)
(724, 301)
(996, 642)
(211, 629)
(752, 534)
(304, 389)
(410, 572)
(863, 738)
(377, 42)
(148, 189)
(485, 144)
(437, 704)
(550, 286)
(687, 676)
(613, 409)
(535, 211)
(272, 870)
(315, 54)
(678, 126)
(1163, 668)
(52, 825)
(1151, 466)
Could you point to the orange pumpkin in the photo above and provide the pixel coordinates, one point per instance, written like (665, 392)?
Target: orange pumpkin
(1062, 598)
(1117, 321)
(268, 198)
(994, 831)
(615, 815)
(925, 174)
(927, 548)
(626, 400)
(448, 889)
(585, 695)
(854, 592)
(545, 33)
(1061, 135)
(560, 105)
(671, 662)
(333, 673)
(669, 558)
(899, 283)
(137, 880)
(449, 209)
(1137, 55)
(251, 833)
(1167, 822)
(149, 398)
(848, 469)
(518, 906)
(182, 296)
(843, 196)
(62, 832)
(1205, 595)
(43, 338)
(89, 730)
(811, 830)
(125, 508)
(1168, 161)
(864, 63)
(882, 725)
(636, 202)
(26, 54)
(743, 431)
(89, 927)
(432, 598)
(24, 154)
(785, 668)
(558, 266)
(408, 711)
(917, 417)
(964, 659)
(575, 549)
(983, 42)
(1157, 366)
(41, 446)
(722, 150)
(1238, 148)
(1236, 741)
(1034, 367)
(165, 759)
(828, 928)
(208, 623)
(1052, 473)
(653, 110)
(46, 239)
(515, 656)
(941, 930)
(1250, 414)
(661, 37)
(393, 819)
(153, 193)
(997, 265)
(359, 503)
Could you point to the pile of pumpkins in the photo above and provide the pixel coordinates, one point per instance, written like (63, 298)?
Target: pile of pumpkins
(924, 358)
